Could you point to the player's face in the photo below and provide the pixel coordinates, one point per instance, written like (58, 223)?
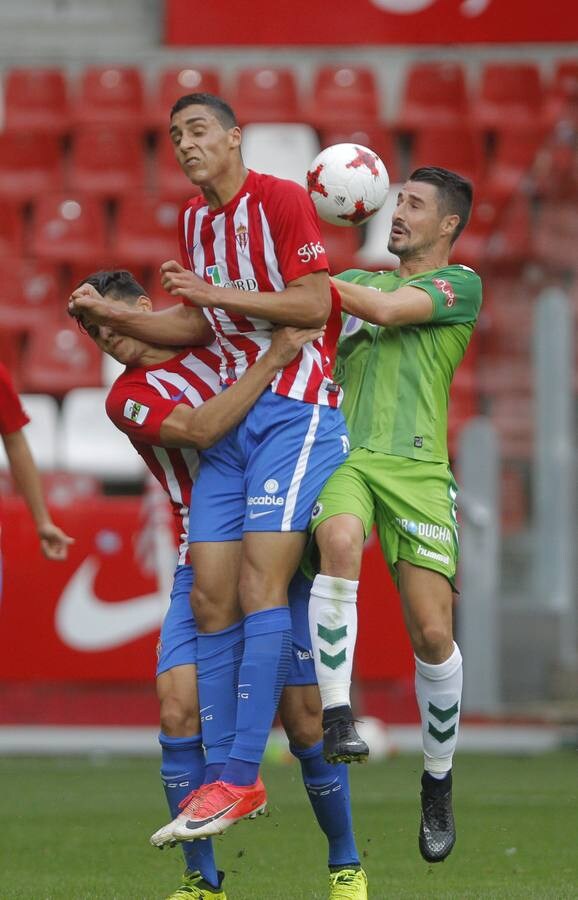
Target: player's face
(126, 350)
(416, 221)
(204, 149)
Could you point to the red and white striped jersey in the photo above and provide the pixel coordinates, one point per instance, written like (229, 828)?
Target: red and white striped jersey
(138, 403)
(265, 237)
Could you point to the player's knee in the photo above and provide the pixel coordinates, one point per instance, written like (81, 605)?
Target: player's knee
(302, 721)
(432, 642)
(177, 718)
(340, 551)
(211, 614)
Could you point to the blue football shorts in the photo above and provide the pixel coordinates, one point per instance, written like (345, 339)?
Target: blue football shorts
(266, 474)
(177, 644)
(178, 639)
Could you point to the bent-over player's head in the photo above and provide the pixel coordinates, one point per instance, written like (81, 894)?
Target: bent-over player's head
(119, 286)
(206, 137)
(433, 208)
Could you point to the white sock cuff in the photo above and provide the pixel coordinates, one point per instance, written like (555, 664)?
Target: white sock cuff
(437, 765)
(330, 588)
(440, 671)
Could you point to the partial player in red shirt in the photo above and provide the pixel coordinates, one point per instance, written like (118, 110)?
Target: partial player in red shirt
(53, 540)
(256, 260)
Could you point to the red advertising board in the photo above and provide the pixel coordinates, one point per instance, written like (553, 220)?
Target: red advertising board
(96, 617)
(368, 22)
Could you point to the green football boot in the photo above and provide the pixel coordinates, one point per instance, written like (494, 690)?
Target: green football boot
(194, 887)
(348, 884)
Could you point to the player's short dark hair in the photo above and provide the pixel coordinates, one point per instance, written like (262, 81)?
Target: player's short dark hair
(118, 284)
(217, 105)
(455, 193)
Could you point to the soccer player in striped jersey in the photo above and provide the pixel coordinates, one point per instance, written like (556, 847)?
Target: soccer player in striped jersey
(166, 403)
(252, 258)
(407, 332)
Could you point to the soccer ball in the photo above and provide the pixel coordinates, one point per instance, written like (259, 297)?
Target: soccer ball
(348, 183)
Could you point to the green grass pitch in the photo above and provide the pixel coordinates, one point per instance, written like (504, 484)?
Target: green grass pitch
(74, 829)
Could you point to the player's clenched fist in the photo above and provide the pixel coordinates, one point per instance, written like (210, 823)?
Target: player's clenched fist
(182, 282)
(86, 302)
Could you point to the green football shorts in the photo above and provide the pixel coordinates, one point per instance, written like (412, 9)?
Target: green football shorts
(411, 502)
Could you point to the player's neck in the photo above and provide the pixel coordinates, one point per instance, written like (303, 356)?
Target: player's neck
(154, 355)
(423, 262)
(222, 190)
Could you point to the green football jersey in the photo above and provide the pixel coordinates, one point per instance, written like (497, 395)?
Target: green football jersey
(397, 380)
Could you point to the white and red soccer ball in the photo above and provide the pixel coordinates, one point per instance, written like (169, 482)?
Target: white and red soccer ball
(348, 183)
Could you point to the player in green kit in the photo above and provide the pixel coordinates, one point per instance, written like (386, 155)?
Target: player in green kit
(406, 333)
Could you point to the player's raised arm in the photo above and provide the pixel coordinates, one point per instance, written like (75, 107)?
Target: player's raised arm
(304, 303)
(203, 426)
(406, 306)
(177, 326)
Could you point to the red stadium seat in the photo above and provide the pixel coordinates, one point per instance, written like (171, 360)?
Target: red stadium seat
(512, 242)
(174, 83)
(59, 358)
(169, 178)
(38, 96)
(510, 96)
(30, 164)
(107, 161)
(471, 247)
(562, 96)
(69, 228)
(515, 153)
(377, 137)
(146, 231)
(434, 94)
(341, 245)
(344, 94)
(110, 95)
(265, 94)
(11, 353)
(11, 230)
(454, 148)
(29, 293)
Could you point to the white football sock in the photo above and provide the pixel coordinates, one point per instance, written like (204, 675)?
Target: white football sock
(333, 627)
(438, 690)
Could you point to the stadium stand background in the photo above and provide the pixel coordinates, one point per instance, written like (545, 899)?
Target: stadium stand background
(87, 180)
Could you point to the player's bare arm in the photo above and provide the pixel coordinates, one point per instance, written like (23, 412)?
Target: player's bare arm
(406, 306)
(53, 540)
(178, 326)
(305, 302)
(203, 426)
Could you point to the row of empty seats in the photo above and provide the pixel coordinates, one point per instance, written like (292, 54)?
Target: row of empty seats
(110, 161)
(507, 94)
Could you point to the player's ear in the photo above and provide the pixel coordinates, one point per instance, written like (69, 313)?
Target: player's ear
(144, 302)
(235, 136)
(449, 225)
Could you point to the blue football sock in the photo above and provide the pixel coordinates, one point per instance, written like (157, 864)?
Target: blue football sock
(262, 676)
(218, 660)
(328, 789)
(182, 770)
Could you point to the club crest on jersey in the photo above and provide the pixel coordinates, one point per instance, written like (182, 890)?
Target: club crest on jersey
(135, 411)
(242, 237)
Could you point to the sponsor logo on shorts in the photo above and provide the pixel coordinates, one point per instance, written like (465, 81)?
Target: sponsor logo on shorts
(257, 515)
(305, 654)
(265, 501)
(425, 529)
(439, 557)
(317, 510)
